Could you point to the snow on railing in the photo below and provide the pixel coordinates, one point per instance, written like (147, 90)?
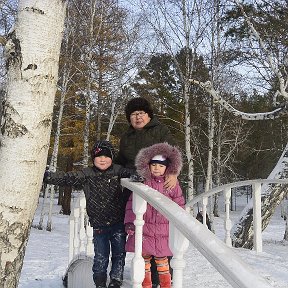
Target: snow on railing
(256, 197)
(221, 256)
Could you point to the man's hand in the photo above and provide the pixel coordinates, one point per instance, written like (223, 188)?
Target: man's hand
(170, 181)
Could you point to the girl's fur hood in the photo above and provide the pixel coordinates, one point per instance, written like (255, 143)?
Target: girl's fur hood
(146, 154)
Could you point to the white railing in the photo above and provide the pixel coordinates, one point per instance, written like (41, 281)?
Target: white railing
(80, 231)
(221, 256)
(256, 197)
(218, 253)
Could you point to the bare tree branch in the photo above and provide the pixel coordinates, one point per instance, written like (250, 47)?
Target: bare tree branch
(208, 87)
(272, 64)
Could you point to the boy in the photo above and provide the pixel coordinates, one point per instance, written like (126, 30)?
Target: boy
(105, 205)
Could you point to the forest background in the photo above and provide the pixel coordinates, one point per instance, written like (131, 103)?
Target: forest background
(211, 69)
(114, 50)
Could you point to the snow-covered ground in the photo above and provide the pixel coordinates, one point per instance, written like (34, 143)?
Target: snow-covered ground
(46, 257)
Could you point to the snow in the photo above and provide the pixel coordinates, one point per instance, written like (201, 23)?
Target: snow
(46, 258)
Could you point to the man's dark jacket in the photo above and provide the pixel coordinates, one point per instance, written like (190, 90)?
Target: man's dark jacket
(133, 140)
(105, 201)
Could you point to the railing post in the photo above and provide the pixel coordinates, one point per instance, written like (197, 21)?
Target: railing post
(178, 245)
(204, 209)
(257, 217)
(82, 232)
(228, 226)
(76, 231)
(71, 234)
(90, 246)
(138, 265)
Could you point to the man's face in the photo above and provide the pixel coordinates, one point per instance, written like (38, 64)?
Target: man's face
(139, 119)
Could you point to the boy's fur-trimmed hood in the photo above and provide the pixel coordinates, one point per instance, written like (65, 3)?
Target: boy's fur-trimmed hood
(168, 151)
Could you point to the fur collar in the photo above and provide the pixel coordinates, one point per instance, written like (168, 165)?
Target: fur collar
(168, 151)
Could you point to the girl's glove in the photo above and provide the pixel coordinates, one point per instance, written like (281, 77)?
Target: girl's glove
(130, 228)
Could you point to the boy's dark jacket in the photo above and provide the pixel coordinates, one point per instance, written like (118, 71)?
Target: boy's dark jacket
(105, 200)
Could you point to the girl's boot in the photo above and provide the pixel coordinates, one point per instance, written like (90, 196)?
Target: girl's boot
(147, 282)
(165, 280)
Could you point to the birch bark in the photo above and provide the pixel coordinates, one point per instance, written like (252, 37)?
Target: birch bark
(66, 76)
(32, 53)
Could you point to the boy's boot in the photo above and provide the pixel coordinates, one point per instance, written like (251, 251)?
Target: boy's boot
(115, 283)
(100, 281)
(165, 280)
(147, 282)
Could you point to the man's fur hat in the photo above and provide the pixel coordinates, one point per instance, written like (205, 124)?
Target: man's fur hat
(138, 104)
(169, 152)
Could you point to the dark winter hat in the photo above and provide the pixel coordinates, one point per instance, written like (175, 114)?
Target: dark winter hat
(103, 152)
(138, 104)
(102, 148)
(160, 159)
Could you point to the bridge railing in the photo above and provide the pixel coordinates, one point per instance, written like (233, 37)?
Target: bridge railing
(226, 189)
(80, 231)
(183, 227)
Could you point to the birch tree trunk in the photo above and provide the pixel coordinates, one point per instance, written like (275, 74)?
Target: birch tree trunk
(90, 78)
(185, 76)
(190, 161)
(211, 129)
(190, 25)
(32, 52)
(112, 118)
(66, 78)
(284, 215)
(211, 136)
(54, 157)
(215, 51)
(86, 131)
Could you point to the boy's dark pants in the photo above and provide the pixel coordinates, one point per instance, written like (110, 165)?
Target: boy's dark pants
(103, 237)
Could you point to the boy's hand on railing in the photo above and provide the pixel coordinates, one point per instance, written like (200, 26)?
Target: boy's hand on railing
(136, 178)
(130, 228)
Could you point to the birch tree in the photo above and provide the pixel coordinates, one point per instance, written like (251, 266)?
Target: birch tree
(180, 25)
(222, 145)
(32, 52)
(272, 195)
(68, 49)
(106, 48)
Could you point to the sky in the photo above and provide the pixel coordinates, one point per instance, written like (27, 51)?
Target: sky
(46, 257)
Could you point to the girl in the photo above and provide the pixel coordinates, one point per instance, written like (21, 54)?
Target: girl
(153, 163)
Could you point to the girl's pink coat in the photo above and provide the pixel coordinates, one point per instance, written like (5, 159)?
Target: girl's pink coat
(156, 227)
